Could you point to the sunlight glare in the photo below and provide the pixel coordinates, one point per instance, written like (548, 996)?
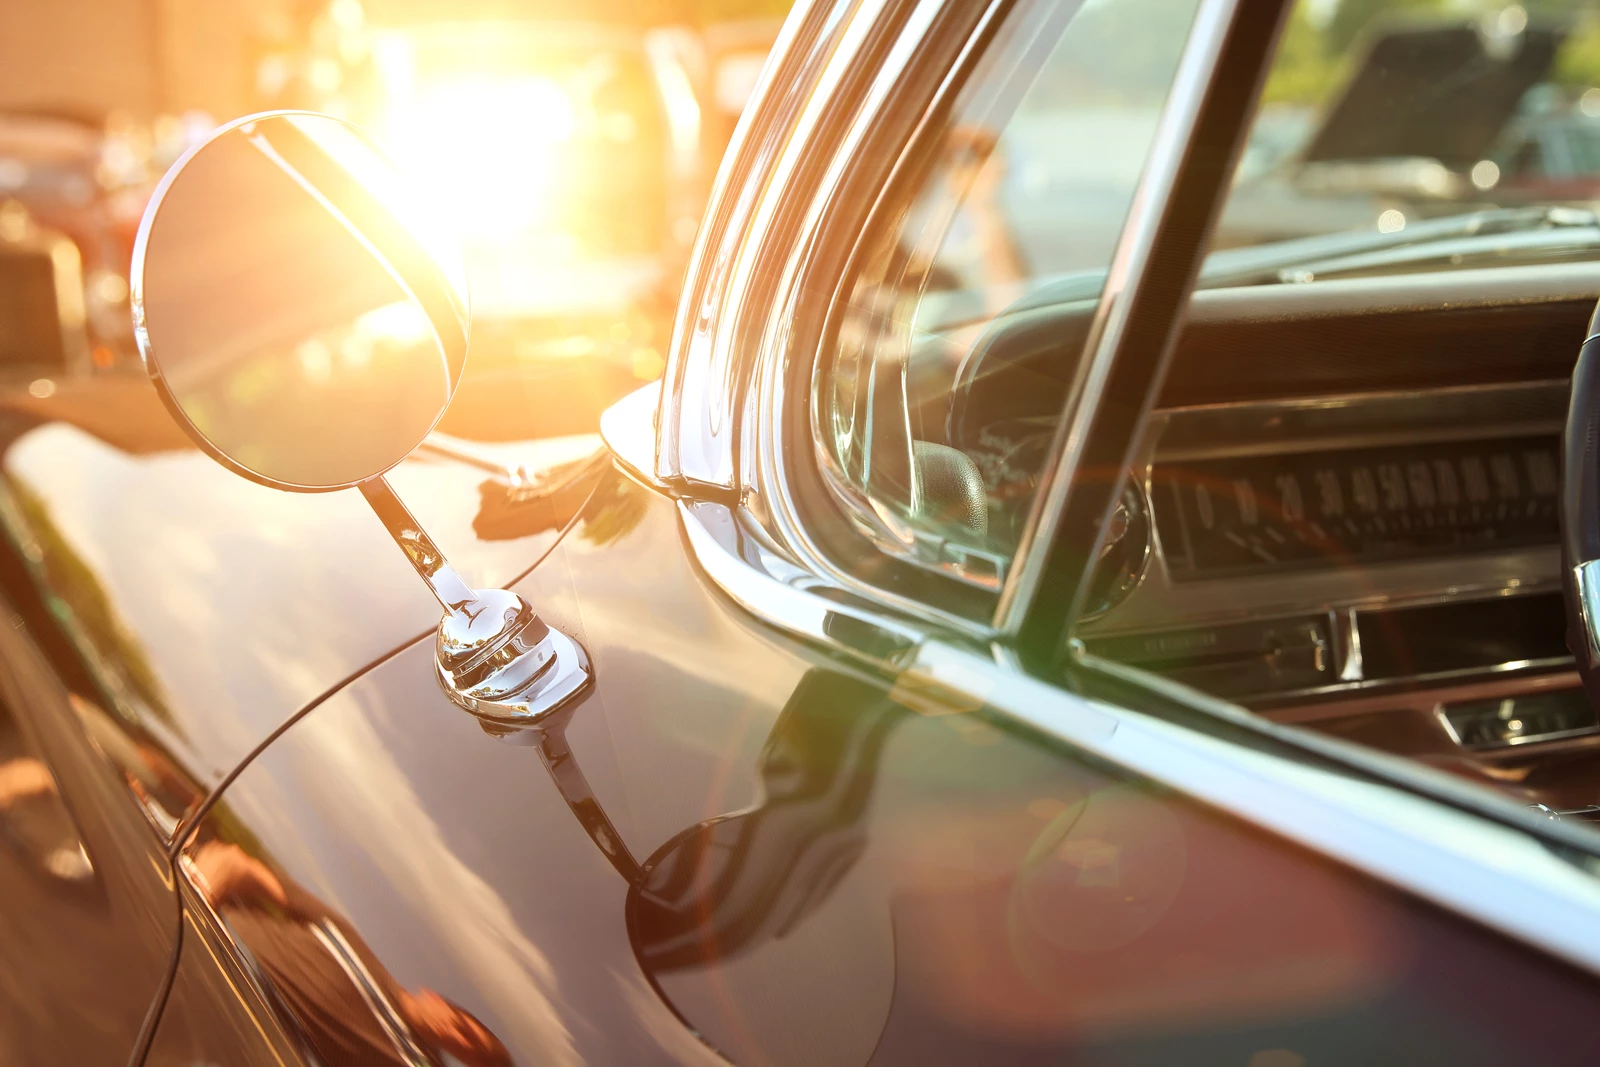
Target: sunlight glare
(488, 148)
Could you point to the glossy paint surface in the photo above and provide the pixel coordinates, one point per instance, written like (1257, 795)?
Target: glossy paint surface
(207, 607)
(213, 1013)
(733, 838)
(88, 919)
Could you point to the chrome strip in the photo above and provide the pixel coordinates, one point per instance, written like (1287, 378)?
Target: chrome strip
(1442, 714)
(1525, 284)
(1135, 247)
(1309, 424)
(695, 419)
(1586, 576)
(383, 1012)
(778, 593)
(1351, 668)
(1415, 401)
(1448, 726)
(1367, 687)
(628, 428)
(767, 458)
(1484, 858)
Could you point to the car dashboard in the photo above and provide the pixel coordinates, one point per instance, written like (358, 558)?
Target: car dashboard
(1344, 512)
(1319, 546)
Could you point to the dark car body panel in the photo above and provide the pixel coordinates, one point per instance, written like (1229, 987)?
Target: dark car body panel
(149, 651)
(831, 873)
(213, 1013)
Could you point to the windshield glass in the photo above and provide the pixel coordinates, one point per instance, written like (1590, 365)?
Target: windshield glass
(1421, 121)
(1393, 136)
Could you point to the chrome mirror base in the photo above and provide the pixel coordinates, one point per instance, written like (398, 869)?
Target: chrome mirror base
(496, 657)
(502, 663)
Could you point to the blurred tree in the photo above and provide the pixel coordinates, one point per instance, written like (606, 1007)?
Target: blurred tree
(1578, 62)
(1352, 18)
(709, 11)
(1303, 71)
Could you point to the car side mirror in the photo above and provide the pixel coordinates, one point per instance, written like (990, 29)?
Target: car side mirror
(305, 320)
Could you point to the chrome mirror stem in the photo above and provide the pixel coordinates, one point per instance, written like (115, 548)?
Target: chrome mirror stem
(453, 593)
(496, 657)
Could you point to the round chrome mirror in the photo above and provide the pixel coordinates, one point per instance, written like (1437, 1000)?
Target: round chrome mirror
(298, 310)
(306, 323)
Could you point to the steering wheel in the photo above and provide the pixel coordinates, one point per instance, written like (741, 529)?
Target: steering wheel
(1580, 513)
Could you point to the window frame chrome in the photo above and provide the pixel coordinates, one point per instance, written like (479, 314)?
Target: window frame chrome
(737, 385)
(725, 402)
(702, 386)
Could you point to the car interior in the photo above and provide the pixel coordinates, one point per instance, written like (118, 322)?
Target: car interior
(1345, 508)
(1345, 512)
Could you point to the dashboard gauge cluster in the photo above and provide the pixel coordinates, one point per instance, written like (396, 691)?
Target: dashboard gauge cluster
(1242, 514)
(1126, 553)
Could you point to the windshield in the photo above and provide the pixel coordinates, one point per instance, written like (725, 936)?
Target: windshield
(1382, 116)
(1393, 136)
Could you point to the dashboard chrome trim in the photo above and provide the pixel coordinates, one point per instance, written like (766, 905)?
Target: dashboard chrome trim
(1370, 686)
(1347, 646)
(1474, 412)
(1424, 698)
(1442, 715)
(1357, 420)
(1586, 576)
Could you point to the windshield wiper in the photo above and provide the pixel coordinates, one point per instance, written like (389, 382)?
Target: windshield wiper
(1465, 235)
(1454, 239)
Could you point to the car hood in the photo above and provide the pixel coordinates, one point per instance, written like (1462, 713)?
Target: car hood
(1438, 92)
(202, 609)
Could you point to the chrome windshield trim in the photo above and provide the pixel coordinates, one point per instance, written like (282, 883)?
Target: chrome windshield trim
(698, 415)
(628, 429)
(1180, 117)
(723, 394)
(1459, 847)
(775, 591)
(1356, 420)
(766, 461)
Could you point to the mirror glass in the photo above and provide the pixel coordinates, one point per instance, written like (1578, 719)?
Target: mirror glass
(298, 306)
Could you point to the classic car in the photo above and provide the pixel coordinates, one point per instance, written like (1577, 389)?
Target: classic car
(969, 652)
(80, 180)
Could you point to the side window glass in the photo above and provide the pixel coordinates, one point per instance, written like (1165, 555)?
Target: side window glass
(964, 328)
